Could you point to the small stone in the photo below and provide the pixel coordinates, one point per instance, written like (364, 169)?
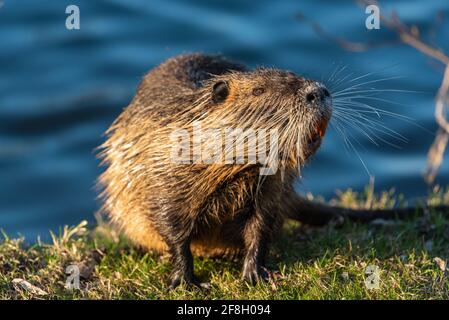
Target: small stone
(25, 285)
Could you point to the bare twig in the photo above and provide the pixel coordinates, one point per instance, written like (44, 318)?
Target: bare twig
(411, 37)
(435, 155)
(408, 35)
(441, 101)
(341, 42)
(436, 151)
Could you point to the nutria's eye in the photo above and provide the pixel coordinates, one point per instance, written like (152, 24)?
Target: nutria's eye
(258, 91)
(220, 91)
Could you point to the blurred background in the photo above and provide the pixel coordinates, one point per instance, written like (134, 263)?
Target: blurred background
(60, 89)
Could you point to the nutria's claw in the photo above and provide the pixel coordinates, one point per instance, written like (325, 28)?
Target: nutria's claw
(254, 274)
(192, 283)
(203, 285)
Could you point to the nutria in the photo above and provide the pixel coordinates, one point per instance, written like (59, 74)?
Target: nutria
(212, 209)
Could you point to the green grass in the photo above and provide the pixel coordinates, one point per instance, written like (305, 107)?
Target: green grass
(325, 263)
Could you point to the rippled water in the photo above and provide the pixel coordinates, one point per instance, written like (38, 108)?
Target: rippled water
(60, 89)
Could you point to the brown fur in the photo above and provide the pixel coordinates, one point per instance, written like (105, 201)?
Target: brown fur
(216, 209)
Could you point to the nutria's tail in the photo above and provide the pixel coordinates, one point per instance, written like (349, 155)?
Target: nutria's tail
(318, 214)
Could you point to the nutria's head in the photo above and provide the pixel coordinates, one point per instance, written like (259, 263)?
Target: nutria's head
(270, 99)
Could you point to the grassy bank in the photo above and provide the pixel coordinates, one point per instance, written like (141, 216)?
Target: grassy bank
(326, 263)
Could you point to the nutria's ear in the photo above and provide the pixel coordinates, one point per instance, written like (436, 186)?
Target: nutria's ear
(220, 91)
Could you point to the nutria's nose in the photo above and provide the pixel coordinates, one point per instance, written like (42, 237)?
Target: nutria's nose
(317, 95)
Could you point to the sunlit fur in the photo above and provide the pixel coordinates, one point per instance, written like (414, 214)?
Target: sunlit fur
(154, 200)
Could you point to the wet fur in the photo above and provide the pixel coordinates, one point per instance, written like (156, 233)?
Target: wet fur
(209, 210)
(214, 209)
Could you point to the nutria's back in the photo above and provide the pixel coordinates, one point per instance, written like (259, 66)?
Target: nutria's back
(164, 202)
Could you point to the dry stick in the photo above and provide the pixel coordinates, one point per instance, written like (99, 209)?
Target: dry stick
(409, 36)
(343, 43)
(435, 155)
(436, 151)
(442, 96)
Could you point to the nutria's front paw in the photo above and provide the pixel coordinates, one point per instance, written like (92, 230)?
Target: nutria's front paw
(253, 273)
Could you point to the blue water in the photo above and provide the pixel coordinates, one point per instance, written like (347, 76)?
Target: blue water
(60, 89)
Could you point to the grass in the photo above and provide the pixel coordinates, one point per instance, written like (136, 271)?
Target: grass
(325, 263)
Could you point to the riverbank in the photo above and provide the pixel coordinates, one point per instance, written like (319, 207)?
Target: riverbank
(382, 260)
